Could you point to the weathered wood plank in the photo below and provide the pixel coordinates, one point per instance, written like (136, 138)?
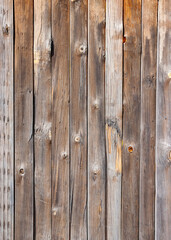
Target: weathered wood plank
(42, 128)
(6, 122)
(78, 119)
(131, 119)
(148, 120)
(23, 119)
(96, 123)
(60, 120)
(163, 124)
(113, 106)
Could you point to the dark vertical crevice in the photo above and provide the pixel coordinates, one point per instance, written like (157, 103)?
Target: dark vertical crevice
(105, 140)
(140, 120)
(52, 54)
(124, 40)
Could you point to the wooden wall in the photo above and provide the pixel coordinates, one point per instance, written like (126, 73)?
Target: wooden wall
(85, 120)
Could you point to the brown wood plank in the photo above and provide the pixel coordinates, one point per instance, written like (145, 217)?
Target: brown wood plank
(42, 128)
(113, 115)
(60, 120)
(6, 122)
(23, 119)
(148, 120)
(96, 123)
(131, 119)
(163, 124)
(78, 119)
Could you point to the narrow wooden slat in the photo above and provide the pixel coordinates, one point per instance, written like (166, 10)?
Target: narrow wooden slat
(131, 119)
(78, 120)
(43, 99)
(96, 123)
(23, 119)
(113, 106)
(60, 120)
(148, 119)
(163, 124)
(6, 121)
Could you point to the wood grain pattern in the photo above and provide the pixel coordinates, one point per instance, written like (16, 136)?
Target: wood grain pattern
(60, 120)
(131, 119)
(6, 122)
(148, 120)
(163, 128)
(78, 119)
(23, 119)
(96, 123)
(113, 110)
(42, 127)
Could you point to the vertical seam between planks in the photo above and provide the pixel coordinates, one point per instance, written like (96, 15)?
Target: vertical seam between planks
(87, 124)
(88, 29)
(123, 54)
(142, 1)
(33, 132)
(140, 58)
(156, 120)
(123, 33)
(69, 202)
(106, 175)
(14, 119)
(51, 17)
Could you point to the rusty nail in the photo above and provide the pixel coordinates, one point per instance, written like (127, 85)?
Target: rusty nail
(130, 149)
(124, 39)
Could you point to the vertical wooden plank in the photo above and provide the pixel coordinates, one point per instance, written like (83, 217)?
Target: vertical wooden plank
(148, 119)
(6, 121)
(96, 123)
(113, 106)
(23, 119)
(78, 119)
(163, 124)
(42, 137)
(60, 120)
(131, 119)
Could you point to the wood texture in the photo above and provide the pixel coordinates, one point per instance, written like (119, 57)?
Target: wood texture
(96, 123)
(131, 119)
(113, 111)
(78, 119)
(24, 119)
(148, 120)
(42, 119)
(6, 122)
(85, 112)
(60, 120)
(163, 128)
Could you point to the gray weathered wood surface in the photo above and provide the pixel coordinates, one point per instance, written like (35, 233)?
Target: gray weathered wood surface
(85, 120)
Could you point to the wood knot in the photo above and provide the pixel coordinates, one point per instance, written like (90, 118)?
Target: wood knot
(5, 30)
(169, 156)
(149, 81)
(77, 139)
(64, 155)
(21, 171)
(169, 74)
(83, 49)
